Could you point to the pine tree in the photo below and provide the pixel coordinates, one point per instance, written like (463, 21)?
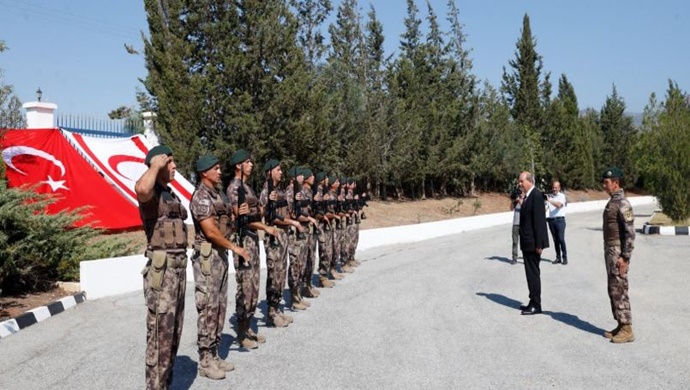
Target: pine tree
(619, 136)
(461, 111)
(521, 86)
(527, 95)
(344, 75)
(664, 161)
(373, 144)
(313, 144)
(167, 52)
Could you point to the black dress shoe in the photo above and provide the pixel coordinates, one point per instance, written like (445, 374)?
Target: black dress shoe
(557, 261)
(565, 261)
(523, 307)
(530, 310)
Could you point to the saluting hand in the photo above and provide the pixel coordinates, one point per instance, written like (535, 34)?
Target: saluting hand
(160, 161)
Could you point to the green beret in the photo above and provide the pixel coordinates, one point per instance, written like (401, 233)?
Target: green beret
(306, 172)
(332, 178)
(155, 151)
(205, 163)
(350, 181)
(295, 171)
(270, 164)
(343, 180)
(612, 173)
(239, 157)
(320, 176)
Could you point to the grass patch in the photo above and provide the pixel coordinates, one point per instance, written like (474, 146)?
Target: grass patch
(661, 219)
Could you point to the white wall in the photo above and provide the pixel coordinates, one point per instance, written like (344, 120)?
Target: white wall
(40, 115)
(106, 277)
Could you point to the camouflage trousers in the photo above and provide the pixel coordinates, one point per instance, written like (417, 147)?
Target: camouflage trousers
(339, 237)
(617, 286)
(276, 264)
(164, 320)
(297, 252)
(325, 242)
(310, 259)
(351, 242)
(248, 279)
(355, 241)
(211, 297)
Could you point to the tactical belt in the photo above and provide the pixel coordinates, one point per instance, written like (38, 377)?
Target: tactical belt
(612, 243)
(172, 260)
(197, 249)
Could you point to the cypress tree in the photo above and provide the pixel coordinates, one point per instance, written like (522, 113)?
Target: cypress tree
(619, 136)
(527, 95)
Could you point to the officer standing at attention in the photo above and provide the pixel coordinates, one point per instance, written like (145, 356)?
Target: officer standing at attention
(556, 219)
(246, 268)
(165, 278)
(212, 216)
(276, 248)
(619, 242)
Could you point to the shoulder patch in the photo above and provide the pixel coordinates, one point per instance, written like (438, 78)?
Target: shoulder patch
(627, 211)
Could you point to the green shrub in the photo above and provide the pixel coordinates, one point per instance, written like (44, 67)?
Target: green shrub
(38, 249)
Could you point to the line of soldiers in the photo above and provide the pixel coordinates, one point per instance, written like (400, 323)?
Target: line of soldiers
(314, 211)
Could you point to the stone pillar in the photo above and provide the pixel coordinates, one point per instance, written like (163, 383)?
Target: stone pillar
(40, 115)
(149, 133)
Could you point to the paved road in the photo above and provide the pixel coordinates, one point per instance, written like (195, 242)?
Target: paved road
(437, 314)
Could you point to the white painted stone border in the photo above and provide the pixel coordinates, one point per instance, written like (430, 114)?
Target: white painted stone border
(41, 313)
(106, 277)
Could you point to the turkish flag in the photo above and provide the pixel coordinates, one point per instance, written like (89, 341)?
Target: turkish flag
(44, 158)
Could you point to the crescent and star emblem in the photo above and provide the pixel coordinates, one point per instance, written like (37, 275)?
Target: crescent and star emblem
(115, 161)
(13, 151)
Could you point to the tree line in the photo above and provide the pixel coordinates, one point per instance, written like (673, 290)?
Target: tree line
(265, 76)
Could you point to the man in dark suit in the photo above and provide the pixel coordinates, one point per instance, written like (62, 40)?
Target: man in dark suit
(533, 239)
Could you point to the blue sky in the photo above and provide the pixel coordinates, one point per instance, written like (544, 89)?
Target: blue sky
(73, 49)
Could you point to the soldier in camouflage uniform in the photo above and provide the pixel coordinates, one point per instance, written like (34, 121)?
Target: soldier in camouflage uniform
(297, 241)
(325, 239)
(249, 222)
(165, 279)
(212, 225)
(312, 231)
(357, 218)
(276, 248)
(619, 241)
(333, 215)
(341, 247)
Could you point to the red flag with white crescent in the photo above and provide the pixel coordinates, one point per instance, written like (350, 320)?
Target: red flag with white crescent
(44, 158)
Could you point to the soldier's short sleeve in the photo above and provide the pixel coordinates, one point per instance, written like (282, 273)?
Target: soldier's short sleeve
(201, 205)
